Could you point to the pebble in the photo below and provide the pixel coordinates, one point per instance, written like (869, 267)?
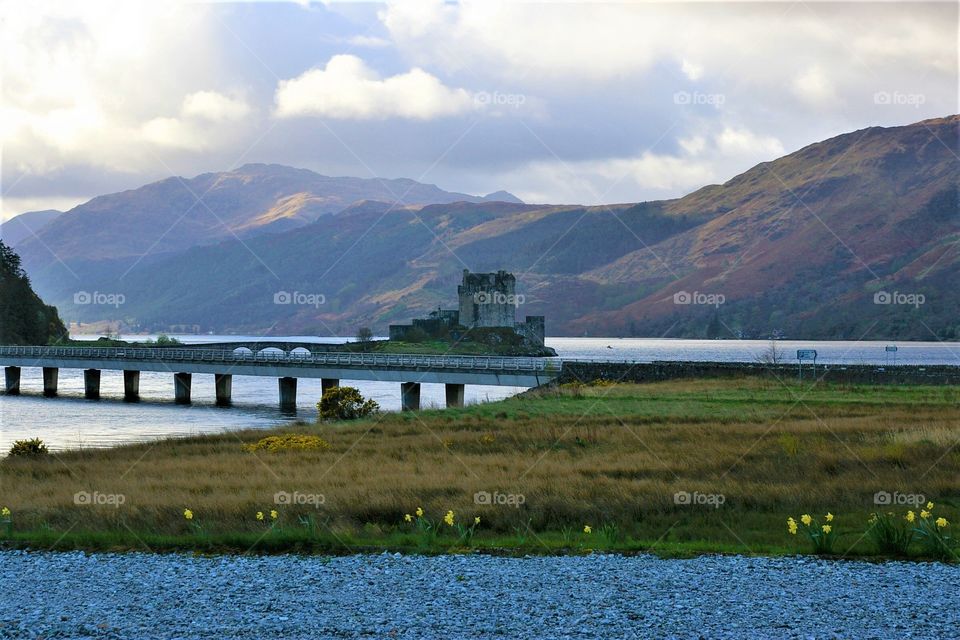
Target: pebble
(171, 596)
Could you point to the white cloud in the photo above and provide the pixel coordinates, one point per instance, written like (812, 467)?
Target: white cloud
(691, 70)
(815, 88)
(211, 105)
(742, 142)
(347, 88)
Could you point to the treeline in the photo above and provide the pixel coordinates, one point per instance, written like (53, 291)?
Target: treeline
(24, 318)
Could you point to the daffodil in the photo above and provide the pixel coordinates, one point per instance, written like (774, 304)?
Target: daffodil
(941, 522)
(929, 506)
(828, 517)
(792, 526)
(419, 512)
(806, 519)
(448, 518)
(924, 514)
(408, 518)
(910, 517)
(827, 528)
(587, 528)
(5, 512)
(259, 515)
(273, 514)
(188, 514)
(476, 520)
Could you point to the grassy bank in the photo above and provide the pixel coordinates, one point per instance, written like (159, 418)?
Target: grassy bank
(748, 454)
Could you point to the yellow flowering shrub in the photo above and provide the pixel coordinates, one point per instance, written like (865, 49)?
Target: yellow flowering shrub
(289, 442)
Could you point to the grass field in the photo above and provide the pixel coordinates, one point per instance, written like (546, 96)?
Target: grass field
(748, 453)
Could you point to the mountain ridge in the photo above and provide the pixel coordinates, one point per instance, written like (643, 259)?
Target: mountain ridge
(796, 246)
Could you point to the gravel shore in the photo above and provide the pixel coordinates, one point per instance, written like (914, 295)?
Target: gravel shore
(133, 595)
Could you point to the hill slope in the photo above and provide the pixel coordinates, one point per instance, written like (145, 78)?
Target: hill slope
(799, 246)
(24, 226)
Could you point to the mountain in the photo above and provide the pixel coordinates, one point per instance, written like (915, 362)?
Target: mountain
(178, 213)
(24, 318)
(502, 196)
(18, 228)
(799, 246)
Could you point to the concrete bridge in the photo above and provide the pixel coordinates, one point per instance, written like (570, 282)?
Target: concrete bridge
(409, 370)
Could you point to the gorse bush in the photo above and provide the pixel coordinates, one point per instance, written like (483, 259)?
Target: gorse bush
(290, 442)
(345, 403)
(33, 448)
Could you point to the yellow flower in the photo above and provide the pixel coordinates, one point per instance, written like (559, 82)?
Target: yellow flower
(828, 517)
(274, 514)
(792, 526)
(419, 512)
(587, 528)
(910, 517)
(408, 518)
(476, 520)
(806, 519)
(941, 522)
(924, 514)
(448, 518)
(259, 515)
(827, 528)
(188, 514)
(5, 512)
(929, 506)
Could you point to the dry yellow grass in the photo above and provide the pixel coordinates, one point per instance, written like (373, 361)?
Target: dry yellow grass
(583, 455)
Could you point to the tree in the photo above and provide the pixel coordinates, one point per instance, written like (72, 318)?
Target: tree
(364, 334)
(24, 318)
(345, 403)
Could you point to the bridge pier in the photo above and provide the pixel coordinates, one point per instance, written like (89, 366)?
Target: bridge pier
(224, 384)
(50, 381)
(288, 394)
(410, 396)
(91, 384)
(328, 383)
(131, 385)
(454, 395)
(181, 387)
(12, 379)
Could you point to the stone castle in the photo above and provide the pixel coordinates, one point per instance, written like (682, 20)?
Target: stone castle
(486, 300)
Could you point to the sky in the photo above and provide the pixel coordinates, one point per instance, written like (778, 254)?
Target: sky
(574, 102)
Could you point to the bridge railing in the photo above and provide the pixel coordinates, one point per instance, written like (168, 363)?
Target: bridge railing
(340, 359)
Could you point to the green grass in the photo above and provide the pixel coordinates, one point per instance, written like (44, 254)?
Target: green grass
(611, 457)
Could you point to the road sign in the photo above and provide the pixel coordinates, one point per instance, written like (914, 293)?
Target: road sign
(806, 354)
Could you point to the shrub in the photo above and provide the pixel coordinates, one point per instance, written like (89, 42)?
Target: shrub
(345, 403)
(33, 448)
(289, 442)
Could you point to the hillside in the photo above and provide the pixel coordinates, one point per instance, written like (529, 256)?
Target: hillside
(24, 318)
(24, 226)
(178, 213)
(796, 246)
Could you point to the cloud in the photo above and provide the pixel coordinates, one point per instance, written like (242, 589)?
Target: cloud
(210, 105)
(348, 89)
(815, 88)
